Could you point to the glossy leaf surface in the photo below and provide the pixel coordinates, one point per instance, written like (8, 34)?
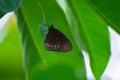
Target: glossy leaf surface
(8, 6)
(40, 63)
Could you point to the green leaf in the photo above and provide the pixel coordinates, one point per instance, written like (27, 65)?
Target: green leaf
(40, 63)
(91, 32)
(109, 11)
(8, 6)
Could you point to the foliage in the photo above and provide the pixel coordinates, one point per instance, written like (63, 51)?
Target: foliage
(8, 6)
(85, 23)
(11, 67)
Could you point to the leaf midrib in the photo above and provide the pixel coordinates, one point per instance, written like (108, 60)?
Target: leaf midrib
(30, 32)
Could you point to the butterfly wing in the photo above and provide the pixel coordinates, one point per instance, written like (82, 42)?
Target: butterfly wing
(56, 41)
(66, 46)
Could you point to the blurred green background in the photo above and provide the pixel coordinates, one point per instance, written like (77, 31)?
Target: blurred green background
(79, 22)
(11, 67)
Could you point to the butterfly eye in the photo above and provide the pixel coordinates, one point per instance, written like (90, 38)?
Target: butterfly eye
(57, 41)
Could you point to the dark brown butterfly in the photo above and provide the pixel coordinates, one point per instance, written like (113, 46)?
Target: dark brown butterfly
(56, 41)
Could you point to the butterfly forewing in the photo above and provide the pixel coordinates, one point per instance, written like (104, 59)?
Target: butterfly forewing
(56, 41)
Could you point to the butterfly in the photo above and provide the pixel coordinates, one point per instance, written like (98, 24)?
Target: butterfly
(57, 41)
